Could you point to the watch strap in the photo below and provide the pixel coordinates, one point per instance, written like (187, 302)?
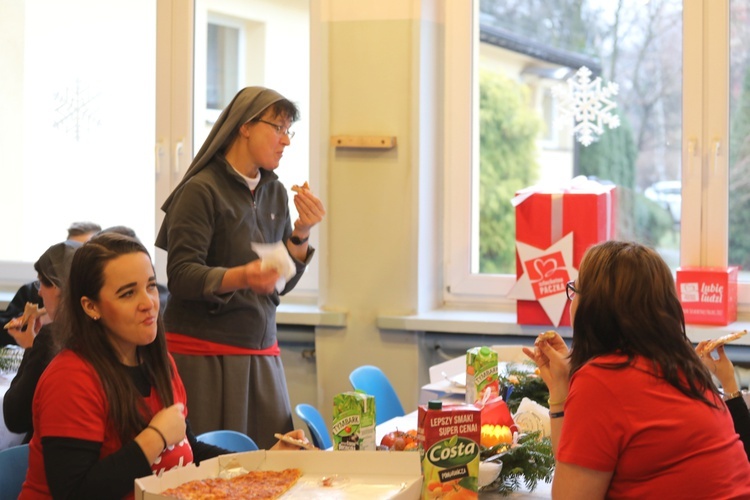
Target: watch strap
(297, 240)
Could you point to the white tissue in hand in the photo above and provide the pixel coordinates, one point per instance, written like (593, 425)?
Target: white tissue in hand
(531, 417)
(275, 256)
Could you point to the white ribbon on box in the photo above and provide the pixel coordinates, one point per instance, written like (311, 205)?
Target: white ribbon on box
(577, 184)
(545, 262)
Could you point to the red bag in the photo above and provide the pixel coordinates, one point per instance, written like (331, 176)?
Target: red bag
(495, 412)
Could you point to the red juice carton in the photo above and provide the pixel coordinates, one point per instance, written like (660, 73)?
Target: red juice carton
(708, 294)
(448, 437)
(481, 374)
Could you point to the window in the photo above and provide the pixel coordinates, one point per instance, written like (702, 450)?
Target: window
(665, 142)
(76, 122)
(248, 43)
(79, 137)
(223, 65)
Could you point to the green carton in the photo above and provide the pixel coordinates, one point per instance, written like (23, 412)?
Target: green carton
(353, 421)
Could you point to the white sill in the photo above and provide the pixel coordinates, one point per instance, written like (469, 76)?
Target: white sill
(308, 315)
(286, 314)
(504, 323)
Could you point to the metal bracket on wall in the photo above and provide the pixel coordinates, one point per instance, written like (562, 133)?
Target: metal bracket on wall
(364, 141)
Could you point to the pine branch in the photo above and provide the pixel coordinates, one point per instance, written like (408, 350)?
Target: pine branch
(527, 463)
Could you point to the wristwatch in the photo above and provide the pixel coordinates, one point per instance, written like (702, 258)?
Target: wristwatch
(296, 240)
(732, 395)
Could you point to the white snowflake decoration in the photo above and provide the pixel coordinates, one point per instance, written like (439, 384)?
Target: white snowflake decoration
(589, 104)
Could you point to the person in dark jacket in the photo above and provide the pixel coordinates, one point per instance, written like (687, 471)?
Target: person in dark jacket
(723, 369)
(78, 232)
(221, 314)
(52, 268)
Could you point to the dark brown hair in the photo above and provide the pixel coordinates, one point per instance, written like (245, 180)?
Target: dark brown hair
(627, 302)
(88, 338)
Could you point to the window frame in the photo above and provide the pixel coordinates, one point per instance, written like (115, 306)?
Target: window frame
(705, 129)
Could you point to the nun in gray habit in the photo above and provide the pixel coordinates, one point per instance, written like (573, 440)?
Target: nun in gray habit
(221, 315)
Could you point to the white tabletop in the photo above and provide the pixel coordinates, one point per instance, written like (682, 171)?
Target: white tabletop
(7, 438)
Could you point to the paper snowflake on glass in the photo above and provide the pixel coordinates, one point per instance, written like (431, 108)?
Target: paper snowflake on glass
(590, 105)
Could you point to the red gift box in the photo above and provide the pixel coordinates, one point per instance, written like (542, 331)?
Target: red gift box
(587, 209)
(708, 294)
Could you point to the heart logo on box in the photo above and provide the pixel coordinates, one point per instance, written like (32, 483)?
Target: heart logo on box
(546, 272)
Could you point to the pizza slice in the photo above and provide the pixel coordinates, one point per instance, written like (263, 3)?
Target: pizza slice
(548, 335)
(713, 344)
(259, 484)
(298, 189)
(31, 312)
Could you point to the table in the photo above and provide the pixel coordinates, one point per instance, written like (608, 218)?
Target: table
(7, 438)
(409, 421)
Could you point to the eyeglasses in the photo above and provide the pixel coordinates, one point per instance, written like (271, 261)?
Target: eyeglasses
(570, 289)
(279, 129)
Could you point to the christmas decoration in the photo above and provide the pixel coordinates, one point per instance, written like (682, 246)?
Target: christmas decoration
(546, 271)
(10, 358)
(589, 103)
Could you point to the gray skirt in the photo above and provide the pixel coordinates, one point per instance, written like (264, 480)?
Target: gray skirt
(242, 393)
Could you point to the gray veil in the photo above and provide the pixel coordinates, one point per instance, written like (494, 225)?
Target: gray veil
(246, 105)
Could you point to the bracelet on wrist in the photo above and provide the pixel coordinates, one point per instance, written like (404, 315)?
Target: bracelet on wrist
(553, 403)
(556, 414)
(732, 395)
(163, 439)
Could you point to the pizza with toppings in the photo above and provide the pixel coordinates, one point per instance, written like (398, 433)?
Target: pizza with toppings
(259, 484)
(713, 344)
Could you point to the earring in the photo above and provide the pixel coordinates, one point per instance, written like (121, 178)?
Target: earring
(95, 318)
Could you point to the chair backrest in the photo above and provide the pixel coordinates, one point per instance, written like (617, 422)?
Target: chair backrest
(318, 428)
(229, 440)
(372, 380)
(14, 462)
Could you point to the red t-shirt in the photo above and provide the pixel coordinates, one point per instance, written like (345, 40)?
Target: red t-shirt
(658, 442)
(70, 402)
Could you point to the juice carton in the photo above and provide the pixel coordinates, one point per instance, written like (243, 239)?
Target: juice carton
(448, 437)
(481, 373)
(353, 421)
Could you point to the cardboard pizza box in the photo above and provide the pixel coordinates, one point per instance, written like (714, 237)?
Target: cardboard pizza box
(359, 474)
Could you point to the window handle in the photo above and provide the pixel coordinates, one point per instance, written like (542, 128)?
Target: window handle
(716, 155)
(158, 156)
(177, 156)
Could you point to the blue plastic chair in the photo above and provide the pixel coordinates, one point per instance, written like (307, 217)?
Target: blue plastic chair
(372, 380)
(229, 440)
(318, 428)
(14, 462)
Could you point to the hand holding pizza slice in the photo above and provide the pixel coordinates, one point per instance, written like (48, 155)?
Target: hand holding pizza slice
(298, 189)
(30, 313)
(713, 344)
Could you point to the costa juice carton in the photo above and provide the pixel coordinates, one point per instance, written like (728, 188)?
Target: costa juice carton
(481, 374)
(708, 294)
(448, 437)
(353, 421)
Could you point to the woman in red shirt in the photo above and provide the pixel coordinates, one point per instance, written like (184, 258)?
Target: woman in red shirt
(634, 412)
(110, 407)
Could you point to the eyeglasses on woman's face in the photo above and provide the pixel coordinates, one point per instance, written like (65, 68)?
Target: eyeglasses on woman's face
(570, 289)
(280, 130)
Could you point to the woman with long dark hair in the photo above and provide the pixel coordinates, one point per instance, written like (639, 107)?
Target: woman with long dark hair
(634, 412)
(111, 406)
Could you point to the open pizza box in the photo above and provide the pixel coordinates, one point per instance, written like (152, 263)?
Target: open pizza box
(356, 474)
